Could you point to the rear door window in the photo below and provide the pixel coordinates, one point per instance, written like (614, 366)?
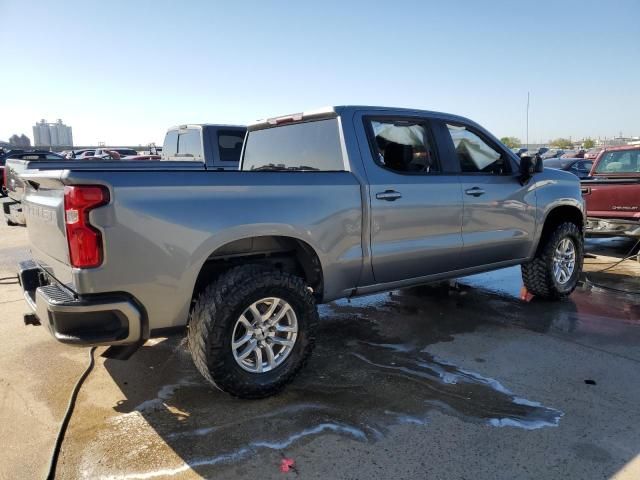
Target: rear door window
(170, 145)
(189, 145)
(311, 145)
(402, 145)
(230, 145)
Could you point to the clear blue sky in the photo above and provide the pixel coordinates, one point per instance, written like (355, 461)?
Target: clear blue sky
(123, 71)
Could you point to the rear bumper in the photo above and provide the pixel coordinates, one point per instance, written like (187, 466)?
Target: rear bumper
(612, 227)
(104, 319)
(13, 213)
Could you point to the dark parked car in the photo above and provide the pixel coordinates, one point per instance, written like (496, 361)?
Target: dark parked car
(534, 151)
(552, 153)
(578, 166)
(519, 151)
(592, 153)
(573, 154)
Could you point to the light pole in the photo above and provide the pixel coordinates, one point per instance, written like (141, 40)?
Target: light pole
(527, 120)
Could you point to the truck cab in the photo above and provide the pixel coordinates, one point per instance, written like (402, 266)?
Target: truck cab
(218, 146)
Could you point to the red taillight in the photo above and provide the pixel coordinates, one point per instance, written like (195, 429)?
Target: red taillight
(85, 242)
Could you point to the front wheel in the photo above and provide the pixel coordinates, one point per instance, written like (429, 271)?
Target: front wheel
(252, 330)
(555, 270)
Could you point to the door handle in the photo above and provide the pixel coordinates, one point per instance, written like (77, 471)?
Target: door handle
(475, 191)
(388, 195)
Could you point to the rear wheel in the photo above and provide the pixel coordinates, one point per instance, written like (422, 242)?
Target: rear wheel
(555, 270)
(252, 330)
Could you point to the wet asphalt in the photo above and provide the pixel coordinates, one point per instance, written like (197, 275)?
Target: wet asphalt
(459, 380)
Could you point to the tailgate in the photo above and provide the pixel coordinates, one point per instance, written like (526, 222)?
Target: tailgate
(612, 198)
(43, 206)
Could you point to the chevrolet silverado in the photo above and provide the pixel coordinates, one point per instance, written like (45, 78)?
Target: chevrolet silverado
(328, 204)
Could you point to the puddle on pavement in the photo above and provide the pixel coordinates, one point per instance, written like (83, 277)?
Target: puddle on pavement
(605, 316)
(371, 370)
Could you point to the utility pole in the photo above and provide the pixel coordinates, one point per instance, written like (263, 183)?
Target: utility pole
(527, 120)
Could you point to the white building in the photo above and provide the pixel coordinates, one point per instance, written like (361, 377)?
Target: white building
(52, 134)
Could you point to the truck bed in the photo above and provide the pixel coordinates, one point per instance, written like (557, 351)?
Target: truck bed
(162, 223)
(15, 168)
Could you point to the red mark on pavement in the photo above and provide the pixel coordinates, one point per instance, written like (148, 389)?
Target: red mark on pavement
(287, 464)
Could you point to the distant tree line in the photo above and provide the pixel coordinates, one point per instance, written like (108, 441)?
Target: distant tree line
(511, 142)
(563, 143)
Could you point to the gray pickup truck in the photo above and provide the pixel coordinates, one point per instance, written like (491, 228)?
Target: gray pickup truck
(328, 204)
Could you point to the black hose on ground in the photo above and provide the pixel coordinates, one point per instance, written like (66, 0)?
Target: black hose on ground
(9, 280)
(591, 283)
(55, 453)
(628, 256)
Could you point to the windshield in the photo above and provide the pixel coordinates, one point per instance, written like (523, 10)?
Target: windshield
(619, 161)
(297, 146)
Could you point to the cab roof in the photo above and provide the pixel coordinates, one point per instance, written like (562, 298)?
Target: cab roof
(340, 110)
(200, 125)
(621, 147)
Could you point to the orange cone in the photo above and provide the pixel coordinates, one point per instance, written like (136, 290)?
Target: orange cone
(525, 295)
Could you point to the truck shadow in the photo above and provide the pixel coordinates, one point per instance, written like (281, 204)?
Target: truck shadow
(371, 370)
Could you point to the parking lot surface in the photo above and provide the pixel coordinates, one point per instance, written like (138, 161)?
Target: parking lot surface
(461, 381)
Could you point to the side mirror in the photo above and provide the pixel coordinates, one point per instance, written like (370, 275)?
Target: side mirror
(528, 166)
(539, 165)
